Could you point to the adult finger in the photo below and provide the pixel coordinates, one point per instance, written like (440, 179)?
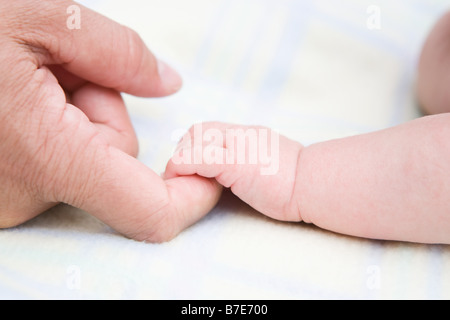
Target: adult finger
(98, 50)
(134, 200)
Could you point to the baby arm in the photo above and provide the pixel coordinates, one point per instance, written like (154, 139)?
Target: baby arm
(392, 184)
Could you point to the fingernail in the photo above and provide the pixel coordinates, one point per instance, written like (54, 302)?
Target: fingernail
(170, 79)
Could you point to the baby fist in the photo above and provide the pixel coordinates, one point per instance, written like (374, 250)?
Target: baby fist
(256, 163)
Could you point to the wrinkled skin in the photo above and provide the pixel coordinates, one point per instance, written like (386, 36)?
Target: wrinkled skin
(65, 135)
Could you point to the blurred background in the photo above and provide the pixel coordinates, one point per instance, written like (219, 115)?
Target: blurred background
(312, 70)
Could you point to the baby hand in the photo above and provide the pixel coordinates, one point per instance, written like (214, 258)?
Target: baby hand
(256, 163)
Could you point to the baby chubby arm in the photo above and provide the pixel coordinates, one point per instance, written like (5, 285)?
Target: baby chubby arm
(392, 184)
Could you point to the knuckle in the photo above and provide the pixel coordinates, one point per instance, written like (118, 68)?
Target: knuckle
(135, 41)
(66, 165)
(134, 59)
(78, 175)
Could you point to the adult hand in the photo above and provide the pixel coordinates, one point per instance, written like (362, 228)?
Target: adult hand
(65, 135)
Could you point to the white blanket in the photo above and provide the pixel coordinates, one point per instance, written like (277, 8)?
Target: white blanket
(313, 70)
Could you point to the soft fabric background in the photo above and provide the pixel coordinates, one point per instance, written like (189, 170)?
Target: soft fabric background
(313, 70)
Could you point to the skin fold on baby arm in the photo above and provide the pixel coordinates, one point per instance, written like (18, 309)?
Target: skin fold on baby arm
(392, 184)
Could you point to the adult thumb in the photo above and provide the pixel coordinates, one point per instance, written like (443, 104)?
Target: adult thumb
(124, 193)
